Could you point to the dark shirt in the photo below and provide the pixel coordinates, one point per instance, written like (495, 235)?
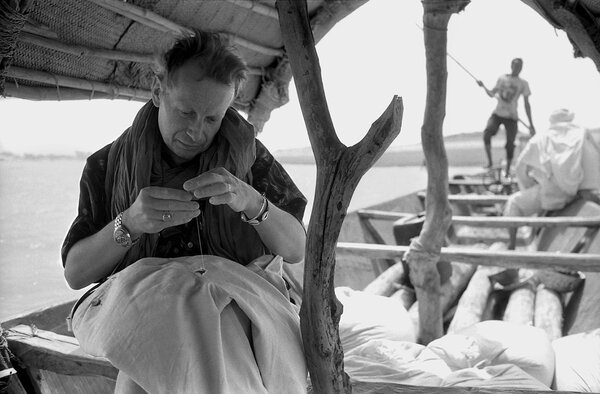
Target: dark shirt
(268, 176)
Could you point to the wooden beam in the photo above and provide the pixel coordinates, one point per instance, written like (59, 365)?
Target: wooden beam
(57, 353)
(157, 22)
(42, 93)
(508, 259)
(473, 198)
(514, 221)
(80, 50)
(77, 83)
(394, 388)
(496, 221)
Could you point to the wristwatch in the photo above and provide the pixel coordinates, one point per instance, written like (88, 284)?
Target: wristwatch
(121, 234)
(262, 214)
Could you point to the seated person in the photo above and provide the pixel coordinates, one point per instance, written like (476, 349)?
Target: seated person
(556, 166)
(172, 218)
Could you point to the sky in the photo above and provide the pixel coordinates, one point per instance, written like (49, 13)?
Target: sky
(370, 56)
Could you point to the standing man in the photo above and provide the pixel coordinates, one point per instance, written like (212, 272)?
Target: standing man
(507, 91)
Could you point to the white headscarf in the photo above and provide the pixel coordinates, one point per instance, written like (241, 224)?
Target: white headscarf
(561, 115)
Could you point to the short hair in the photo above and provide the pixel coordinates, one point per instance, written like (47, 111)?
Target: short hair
(517, 59)
(217, 58)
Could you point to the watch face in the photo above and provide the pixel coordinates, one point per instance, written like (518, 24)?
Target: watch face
(122, 237)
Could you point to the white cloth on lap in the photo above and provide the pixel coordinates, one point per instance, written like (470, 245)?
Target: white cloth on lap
(173, 330)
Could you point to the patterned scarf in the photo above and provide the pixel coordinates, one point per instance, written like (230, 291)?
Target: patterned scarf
(135, 161)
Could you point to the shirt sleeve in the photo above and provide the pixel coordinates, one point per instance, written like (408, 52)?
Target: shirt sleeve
(269, 177)
(526, 91)
(92, 214)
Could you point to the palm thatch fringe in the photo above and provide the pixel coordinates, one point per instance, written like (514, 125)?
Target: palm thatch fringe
(13, 15)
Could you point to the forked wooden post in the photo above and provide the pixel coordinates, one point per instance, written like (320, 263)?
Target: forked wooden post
(424, 252)
(339, 169)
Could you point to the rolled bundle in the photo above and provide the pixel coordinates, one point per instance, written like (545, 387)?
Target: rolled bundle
(473, 301)
(548, 312)
(388, 282)
(521, 304)
(449, 291)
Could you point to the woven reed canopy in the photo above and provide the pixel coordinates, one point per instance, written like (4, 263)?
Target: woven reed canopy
(87, 49)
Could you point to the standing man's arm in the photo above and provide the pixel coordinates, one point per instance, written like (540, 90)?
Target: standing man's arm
(490, 93)
(528, 112)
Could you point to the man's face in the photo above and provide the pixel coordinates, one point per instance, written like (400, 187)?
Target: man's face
(516, 66)
(190, 111)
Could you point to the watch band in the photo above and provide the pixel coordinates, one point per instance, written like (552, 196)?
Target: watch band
(121, 234)
(262, 214)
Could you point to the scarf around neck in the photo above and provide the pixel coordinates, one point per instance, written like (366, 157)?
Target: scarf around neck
(135, 162)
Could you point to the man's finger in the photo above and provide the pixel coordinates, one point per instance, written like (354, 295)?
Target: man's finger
(167, 193)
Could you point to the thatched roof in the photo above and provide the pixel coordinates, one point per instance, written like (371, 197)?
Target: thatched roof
(86, 49)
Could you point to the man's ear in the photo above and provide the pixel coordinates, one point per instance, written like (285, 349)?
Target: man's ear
(156, 90)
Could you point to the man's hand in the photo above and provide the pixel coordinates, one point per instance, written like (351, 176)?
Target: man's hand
(480, 84)
(222, 187)
(157, 208)
(531, 130)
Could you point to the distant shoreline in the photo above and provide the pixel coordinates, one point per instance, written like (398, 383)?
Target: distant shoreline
(462, 150)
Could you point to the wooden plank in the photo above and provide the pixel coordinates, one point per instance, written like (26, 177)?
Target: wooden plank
(478, 182)
(507, 259)
(372, 236)
(500, 222)
(512, 222)
(394, 388)
(50, 318)
(57, 353)
(383, 215)
(473, 198)
(49, 382)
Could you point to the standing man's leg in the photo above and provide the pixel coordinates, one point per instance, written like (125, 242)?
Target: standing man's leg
(490, 130)
(511, 127)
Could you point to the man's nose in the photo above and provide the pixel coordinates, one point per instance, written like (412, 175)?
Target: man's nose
(196, 130)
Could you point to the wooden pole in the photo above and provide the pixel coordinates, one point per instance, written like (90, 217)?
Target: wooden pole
(80, 50)
(424, 252)
(339, 170)
(39, 93)
(77, 83)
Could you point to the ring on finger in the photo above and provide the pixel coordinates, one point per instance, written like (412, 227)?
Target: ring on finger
(229, 188)
(167, 216)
